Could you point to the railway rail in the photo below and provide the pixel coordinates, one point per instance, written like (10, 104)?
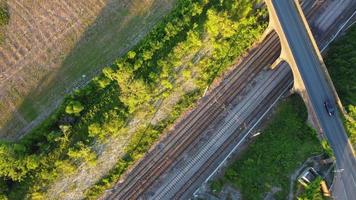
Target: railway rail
(200, 175)
(190, 128)
(329, 34)
(186, 133)
(269, 51)
(231, 141)
(234, 125)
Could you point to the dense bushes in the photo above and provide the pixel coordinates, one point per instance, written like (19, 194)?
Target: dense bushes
(341, 63)
(196, 42)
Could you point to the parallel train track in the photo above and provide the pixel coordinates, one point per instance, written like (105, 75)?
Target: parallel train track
(191, 127)
(188, 131)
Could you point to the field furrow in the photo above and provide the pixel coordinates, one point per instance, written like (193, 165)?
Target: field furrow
(52, 47)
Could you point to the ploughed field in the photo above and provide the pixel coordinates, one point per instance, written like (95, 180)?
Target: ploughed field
(52, 47)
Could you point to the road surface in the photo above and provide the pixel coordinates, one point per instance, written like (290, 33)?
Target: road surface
(318, 91)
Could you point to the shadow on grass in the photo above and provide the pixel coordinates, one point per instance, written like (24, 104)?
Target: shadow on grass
(119, 26)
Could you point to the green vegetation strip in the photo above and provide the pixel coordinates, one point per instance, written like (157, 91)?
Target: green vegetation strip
(4, 14)
(195, 43)
(4, 18)
(341, 63)
(284, 144)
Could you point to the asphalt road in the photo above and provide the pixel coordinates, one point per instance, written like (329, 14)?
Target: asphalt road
(318, 91)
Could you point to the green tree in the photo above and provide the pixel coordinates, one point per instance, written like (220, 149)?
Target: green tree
(134, 94)
(82, 153)
(62, 168)
(131, 54)
(74, 107)
(95, 131)
(13, 166)
(102, 82)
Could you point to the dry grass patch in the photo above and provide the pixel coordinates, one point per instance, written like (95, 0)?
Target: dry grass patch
(52, 47)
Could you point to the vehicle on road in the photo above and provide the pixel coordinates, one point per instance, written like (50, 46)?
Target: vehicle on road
(329, 108)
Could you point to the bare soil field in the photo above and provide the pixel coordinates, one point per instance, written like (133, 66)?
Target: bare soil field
(52, 47)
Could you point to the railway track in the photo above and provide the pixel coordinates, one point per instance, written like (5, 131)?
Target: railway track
(190, 128)
(320, 37)
(234, 123)
(187, 132)
(231, 141)
(186, 191)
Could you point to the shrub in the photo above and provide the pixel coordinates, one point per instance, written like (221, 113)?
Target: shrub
(74, 107)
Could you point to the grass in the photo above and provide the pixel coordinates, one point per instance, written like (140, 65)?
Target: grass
(4, 18)
(116, 29)
(4, 14)
(216, 186)
(127, 91)
(284, 144)
(341, 63)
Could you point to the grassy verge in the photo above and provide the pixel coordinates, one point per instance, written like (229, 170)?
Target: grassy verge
(195, 43)
(284, 145)
(341, 63)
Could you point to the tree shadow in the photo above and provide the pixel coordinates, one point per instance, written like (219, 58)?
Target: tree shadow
(116, 30)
